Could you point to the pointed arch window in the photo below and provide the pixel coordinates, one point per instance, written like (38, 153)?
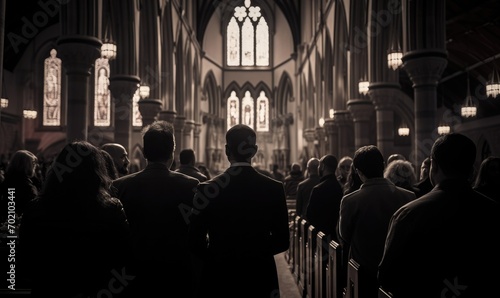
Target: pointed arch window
(102, 95)
(52, 90)
(247, 37)
(249, 111)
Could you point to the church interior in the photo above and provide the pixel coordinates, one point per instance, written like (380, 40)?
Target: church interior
(311, 77)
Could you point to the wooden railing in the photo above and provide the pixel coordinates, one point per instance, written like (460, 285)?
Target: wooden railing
(316, 263)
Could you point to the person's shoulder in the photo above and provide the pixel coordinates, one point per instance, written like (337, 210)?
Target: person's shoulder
(407, 193)
(183, 178)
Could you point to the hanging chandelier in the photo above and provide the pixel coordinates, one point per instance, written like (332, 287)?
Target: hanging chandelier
(4, 103)
(493, 85)
(29, 114)
(443, 129)
(144, 91)
(403, 131)
(363, 87)
(108, 50)
(394, 58)
(469, 109)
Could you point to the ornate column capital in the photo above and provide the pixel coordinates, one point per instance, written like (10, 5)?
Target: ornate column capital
(78, 53)
(168, 116)
(189, 126)
(361, 109)
(320, 133)
(330, 126)
(425, 67)
(342, 117)
(384, 95)
(149, 109)
(179, 123)
(123, 87)
(309, 134)
(197, 129)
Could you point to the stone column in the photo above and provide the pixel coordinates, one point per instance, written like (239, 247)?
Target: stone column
(122, 89)
(78, 54)
(425, 70)
(179, 123)
(149, 109)
(188, 140)
(332, 136)
(309, 135)
(361, 111)
(344, 123)
(196, 141)
(168, 116)
(320, 136)
(384, 97)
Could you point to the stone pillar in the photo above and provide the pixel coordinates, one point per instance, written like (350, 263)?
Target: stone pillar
(168, 116)
(384, 97)
(149, 109)
(188, 140)
(309, 135)
(320, 136)
(78, 54)
(425, 70)
(361, 111)
(332, 135)
(196, 141)
(344, 123)
(179, 123)
(122, 89)
(424, 45)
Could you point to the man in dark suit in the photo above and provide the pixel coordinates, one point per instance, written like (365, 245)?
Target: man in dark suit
(155, 200)
(305, 187)
(324, 205)
(188, 160)
(445, 244)
(238, 223)
(365, 215)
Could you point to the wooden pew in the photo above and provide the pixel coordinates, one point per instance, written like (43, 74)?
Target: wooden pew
(304, 226)
(352, 289)
(296, 249)
(383, 293)
(310, 255)
(290, 252)
(321, 264)
(333, 287)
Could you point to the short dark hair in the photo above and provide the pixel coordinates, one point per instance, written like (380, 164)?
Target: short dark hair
(158, 141)
(329, 162)
(241, 142)
(455, 154)
(369, 160)
(186, 156)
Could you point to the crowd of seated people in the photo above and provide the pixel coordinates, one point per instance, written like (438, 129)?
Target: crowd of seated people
(161, 231)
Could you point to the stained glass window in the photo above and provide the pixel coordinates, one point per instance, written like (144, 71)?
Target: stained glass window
(102, 95)
(262, 112)
(247, 110)
(52, 90)
(247, 37)
(233, 110)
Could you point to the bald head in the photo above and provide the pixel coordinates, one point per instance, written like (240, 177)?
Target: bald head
(313, 166)
(119, 155)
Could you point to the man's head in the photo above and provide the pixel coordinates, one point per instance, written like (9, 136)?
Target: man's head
(369, 162)
(327, 165)
(119, 155)
(344, 166)
(158, 141)
(424, 168)
(313, 166)
(240, 143)
(187, 157)
(452, 156)
(394, 157)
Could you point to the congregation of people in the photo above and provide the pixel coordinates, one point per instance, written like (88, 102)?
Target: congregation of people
(88, 227)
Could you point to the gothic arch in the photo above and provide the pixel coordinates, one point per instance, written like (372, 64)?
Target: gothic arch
(196, 88)
(188, 84)
(211, 93)
(283, 94)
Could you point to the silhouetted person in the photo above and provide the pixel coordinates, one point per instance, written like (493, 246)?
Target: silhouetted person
(120, 157)
(402, 174)
(204, 170)
(445, 243)
(239, 223)
(292, 181)
(258, 168)
(277, 174)
(488, 179)
(424, 185)
(187, 159)
(324, 205)
(18, 177)
(110, 165)
(156, 201)
(353, 181)
(342, 171)
(365, 215)
(394, 157)
(88, 228)
(305, 187)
